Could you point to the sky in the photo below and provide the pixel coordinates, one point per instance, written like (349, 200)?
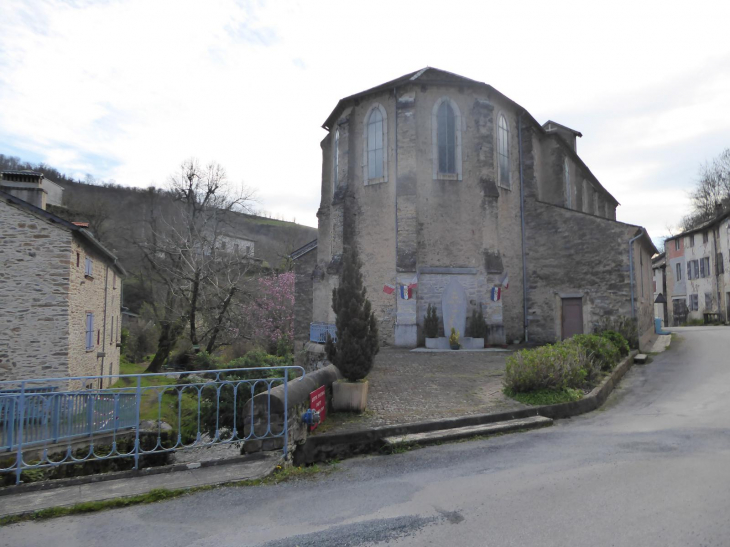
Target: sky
(128, 89)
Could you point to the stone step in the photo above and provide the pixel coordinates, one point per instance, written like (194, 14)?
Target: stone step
(441, 435)
(640, 358)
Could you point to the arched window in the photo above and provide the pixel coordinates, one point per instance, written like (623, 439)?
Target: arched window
(375, 145)
(446, 139)
(503, 151)
(336, 159)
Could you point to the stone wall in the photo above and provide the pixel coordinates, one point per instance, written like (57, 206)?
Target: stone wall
(88, 294)
(34, 277)
(303, 272)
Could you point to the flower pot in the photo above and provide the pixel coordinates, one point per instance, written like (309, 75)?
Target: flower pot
(349, 396)
(455, 346)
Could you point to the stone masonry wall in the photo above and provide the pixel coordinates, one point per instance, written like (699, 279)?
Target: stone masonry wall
(303, 268)
(34, 276)
(87, 294)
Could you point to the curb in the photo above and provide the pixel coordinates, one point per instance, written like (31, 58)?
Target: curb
(329, 446)
(132, 473)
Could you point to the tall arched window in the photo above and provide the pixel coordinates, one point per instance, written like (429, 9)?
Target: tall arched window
(566, 177)
(503, 151)
(336, 159)
(375, 145)
(446, 139)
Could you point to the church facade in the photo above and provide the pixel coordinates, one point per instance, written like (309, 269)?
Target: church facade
(442, 181)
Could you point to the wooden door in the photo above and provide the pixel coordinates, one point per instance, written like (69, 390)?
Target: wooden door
(572, 317)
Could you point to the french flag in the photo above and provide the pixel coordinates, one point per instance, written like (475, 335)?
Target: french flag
(405, 292)
(496, 294)
(388, 289)
(505, 281)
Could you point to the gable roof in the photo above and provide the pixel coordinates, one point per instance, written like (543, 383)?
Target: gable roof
(702, 227)
(436, 76)
(80, 231)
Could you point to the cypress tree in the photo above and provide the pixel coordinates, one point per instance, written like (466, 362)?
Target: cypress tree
(357, 330)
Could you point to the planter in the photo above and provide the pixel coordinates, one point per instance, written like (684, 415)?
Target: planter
(349, 396)
(455, 346)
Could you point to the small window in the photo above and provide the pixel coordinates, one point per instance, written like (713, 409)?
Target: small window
(336, 160)
(89, 331)
(78, 259)
(706, 260)
(720, 264)
(691, 241)
(111, 332)
(114, 280)
(375, 145)
(702, 268)
(708, 301)
(98, 337)
(446, 139)
(89, 269)
(676, 244)
(705, 237)
(503, 150)
(679, 272)
(694, 302)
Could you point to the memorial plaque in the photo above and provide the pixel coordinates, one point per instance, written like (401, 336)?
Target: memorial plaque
(453, 306)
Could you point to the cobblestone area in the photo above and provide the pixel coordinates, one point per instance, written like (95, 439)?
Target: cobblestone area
(410, 386)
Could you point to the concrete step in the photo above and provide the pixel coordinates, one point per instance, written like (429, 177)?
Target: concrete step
(442, 435)
(640, 358)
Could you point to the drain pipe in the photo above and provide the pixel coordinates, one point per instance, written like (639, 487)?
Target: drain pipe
(631, 270)
(522, 220)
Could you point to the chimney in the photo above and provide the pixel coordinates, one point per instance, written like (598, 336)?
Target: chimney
(25, 185)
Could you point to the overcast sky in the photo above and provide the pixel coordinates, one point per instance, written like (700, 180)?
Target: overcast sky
(127, 89)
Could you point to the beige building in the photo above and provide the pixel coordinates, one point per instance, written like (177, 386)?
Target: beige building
(442, 181)
(60, 294)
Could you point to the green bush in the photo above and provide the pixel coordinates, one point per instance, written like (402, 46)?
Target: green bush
(555, 367)
(477, 326)
(604, 354)
(204, 361)
(431, 322)
(625, 326)
(617, 340)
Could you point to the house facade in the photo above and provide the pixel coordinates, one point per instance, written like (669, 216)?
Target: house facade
(698, 275)
(60, 295)
(442, 181)
(658, 267)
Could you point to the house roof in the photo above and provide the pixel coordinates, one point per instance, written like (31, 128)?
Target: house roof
(80, 231)
(659, 260)
(22, 172)
(435, 76)
(301, 251)
(704, 226)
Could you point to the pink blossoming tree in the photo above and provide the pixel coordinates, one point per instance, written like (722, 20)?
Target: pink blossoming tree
(271, 310)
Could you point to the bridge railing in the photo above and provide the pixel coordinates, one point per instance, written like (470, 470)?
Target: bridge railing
(44, 423)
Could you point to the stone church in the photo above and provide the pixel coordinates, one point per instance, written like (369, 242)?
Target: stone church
(444, 184)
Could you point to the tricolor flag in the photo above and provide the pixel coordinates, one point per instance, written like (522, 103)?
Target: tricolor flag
(505, 281)
(388, 289)
(496, 294)
(414, 283)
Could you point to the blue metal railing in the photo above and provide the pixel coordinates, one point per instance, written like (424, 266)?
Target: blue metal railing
(318, 332)
(45, 420)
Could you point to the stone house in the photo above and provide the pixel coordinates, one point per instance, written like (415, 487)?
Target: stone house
(60, 294)
(698, 275)
(442, 181)
(658, 268)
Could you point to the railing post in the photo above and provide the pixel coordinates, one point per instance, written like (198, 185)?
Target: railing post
(21, 418)
(138, 401)
(56, 417)
(286, 410)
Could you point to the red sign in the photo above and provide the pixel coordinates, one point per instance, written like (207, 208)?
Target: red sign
(318, 403)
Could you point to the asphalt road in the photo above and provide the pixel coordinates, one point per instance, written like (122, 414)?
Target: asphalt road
(652, 467)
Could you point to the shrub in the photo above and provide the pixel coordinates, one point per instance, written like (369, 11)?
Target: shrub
(454, 337)
(556, 367)
(203, 361)
(477, 325)
(625, 326)
(431, 322)
(357, 329)
(600, 350)
(617, 340)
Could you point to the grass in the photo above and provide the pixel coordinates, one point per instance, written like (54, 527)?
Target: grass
(281, 474)
(166, 410)
(546, 396)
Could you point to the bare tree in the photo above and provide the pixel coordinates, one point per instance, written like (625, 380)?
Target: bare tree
(712, 190)
(190, 249)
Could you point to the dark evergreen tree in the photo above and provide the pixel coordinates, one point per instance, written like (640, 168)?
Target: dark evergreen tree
(357, 330)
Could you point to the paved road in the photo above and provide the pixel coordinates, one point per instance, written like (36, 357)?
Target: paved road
(651, 468)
